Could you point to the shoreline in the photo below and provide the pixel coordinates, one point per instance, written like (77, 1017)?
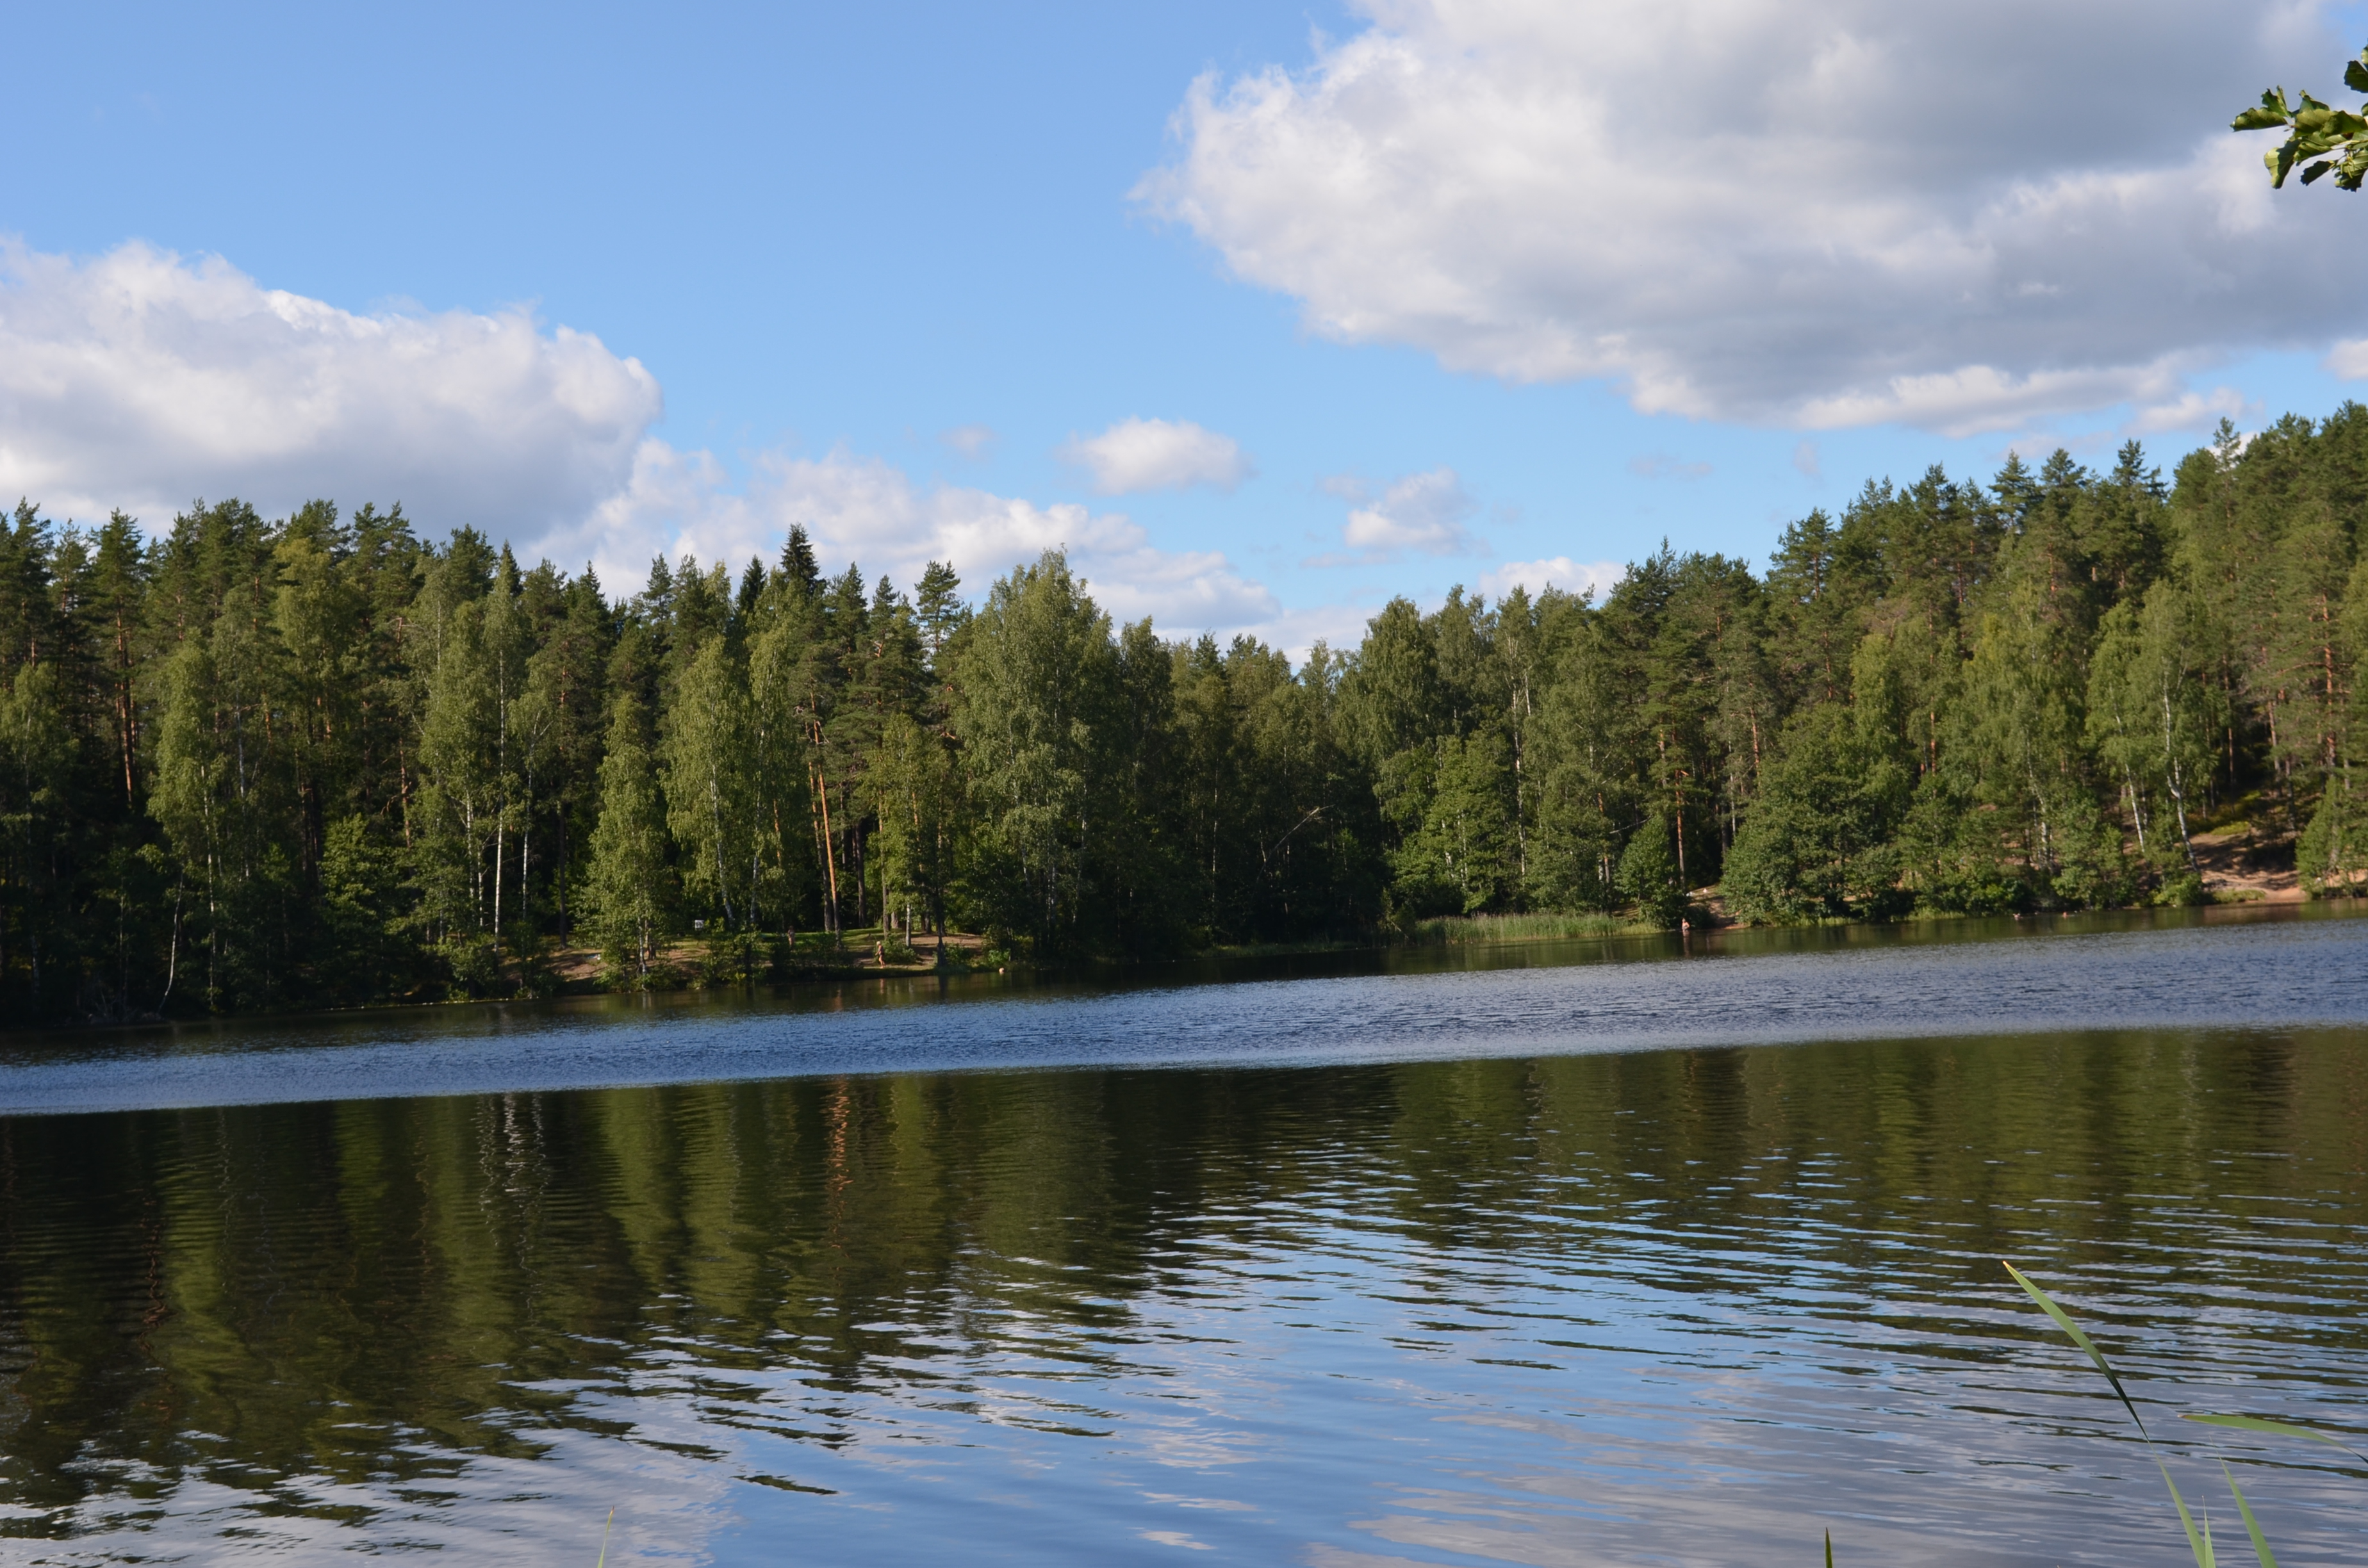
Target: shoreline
(1630, 943)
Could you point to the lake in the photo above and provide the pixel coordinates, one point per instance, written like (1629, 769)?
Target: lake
(1637, 1252)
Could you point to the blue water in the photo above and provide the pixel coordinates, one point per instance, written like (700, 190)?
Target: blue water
(1679, 1259)
(2282, 973)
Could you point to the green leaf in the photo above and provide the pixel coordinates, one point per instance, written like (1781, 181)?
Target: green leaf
(2315, 170)
(2199, 1544)
(2252, 1526)
(2256, 1423)
(2278, 160)
(1829, 1549)
(2257, 119)
(2355, 76)
(2064, 1322)
(2275, 1430)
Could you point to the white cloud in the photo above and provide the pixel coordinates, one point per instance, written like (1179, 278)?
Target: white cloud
(2349, 359)
(1826, 212)
(867, 511)
(1661, 465)
(1980, 398)
(141, 379)
(1805, 457)
(2192, 411)
(1595, 577)
(1158, 454)
(1423, 513)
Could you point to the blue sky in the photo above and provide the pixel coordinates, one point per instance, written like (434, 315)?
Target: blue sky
(887, 270)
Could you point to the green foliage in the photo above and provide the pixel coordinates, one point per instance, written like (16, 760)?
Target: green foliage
(2153, 714)
(361, 904)
(1648, 874)
(713, 805)
(1461, 852)
(629, 889)
(1454, 929)
(1816, 845)
(1036, 705)
(2333, 851)
(256, 764)
(914, 794)
(2335, 140)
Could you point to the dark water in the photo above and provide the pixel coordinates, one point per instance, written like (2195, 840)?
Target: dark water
(1650, 1263)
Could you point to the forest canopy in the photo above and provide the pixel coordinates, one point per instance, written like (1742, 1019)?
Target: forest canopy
(323, 761)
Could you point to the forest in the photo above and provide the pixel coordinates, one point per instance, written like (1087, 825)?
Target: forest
(249, 764)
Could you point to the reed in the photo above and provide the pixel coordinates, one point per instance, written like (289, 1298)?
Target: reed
(2198, 1538)
(1451, 931)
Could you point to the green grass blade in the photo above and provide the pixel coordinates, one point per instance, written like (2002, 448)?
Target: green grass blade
(2199, 1542)
(604, 1538)
(2252, 1526)
(2064, 1322)
(1829, 1549)
(2277, 1429)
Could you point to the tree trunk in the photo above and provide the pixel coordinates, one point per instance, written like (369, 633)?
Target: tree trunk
(829, 857)
(2178, 795)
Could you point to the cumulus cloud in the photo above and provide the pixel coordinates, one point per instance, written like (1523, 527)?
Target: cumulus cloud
(1595, 577)
(2191, 412)
(141, 379)
(1423, 513)
(867, 511)
(1819, 212)
(1979, 398)
(2349, 359)
(1158, 454)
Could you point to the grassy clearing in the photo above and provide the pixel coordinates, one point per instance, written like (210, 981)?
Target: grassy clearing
(1448, 930)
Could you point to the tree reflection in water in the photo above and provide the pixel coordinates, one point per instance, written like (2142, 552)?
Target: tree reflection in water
(1687, 1305)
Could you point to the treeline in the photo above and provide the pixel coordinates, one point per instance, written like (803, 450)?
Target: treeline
(262, 764)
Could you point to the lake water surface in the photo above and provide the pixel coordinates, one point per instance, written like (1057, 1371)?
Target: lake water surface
(1596, 1254)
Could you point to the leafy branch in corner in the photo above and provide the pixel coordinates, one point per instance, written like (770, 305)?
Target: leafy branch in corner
(2332, 138)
